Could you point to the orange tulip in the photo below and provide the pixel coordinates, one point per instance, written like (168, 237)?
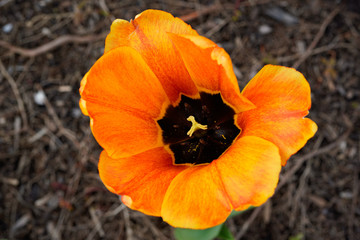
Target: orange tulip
(180, 140)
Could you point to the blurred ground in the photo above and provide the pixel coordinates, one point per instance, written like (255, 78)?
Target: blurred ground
(49, 185)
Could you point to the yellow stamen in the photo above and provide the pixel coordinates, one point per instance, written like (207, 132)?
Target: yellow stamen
(195, 126)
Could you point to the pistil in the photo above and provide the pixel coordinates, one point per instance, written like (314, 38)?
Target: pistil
(195, 126)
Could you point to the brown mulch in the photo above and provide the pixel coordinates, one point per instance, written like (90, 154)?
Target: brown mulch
(49, 185)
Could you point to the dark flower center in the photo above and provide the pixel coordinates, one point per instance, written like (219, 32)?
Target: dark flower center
(198, 131)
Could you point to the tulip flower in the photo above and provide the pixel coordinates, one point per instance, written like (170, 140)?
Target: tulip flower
(180, 140)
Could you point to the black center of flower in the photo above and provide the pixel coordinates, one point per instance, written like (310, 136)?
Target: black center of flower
(198, 145)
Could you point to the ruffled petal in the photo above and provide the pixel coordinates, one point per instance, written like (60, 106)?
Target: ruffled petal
(282, 99)
(142, 179)
(249, 171)
(119, 35)
(196, 199)
(147, 33)
(211, 69)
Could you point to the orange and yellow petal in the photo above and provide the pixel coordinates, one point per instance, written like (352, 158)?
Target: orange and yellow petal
(123, 98)
(150, 24)
(82, 102)
(147, 34)
(123, 133)
(210, 68)
(119, 35)
(196, 199)
(82, 105)
(142, 179)
(122, 80)
(249, 171)
(282, 99)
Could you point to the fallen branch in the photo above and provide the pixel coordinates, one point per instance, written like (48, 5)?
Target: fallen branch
(201, 12)
(317, 38)
(318, 51)
(51, 45)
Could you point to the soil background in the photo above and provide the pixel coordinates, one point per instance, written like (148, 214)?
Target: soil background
(49, 184)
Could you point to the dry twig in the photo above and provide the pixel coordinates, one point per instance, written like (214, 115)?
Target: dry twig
(53, 231)
(61, 129)
(129, 231)
(203, 11)
(159, 235)
(51, 45)
(97, 222)
(317, 38)
(248, 222)
(319, 50)
(300, 161)
(16, 92)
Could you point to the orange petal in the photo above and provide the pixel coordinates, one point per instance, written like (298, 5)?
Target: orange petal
(211, 69)
(249, 171)
(282, 99)
(82, 102)
(122, 80)
(83, 83)
(123, 133)
(196, 199)
(147, 33)
(119, 35)
(143, 179)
